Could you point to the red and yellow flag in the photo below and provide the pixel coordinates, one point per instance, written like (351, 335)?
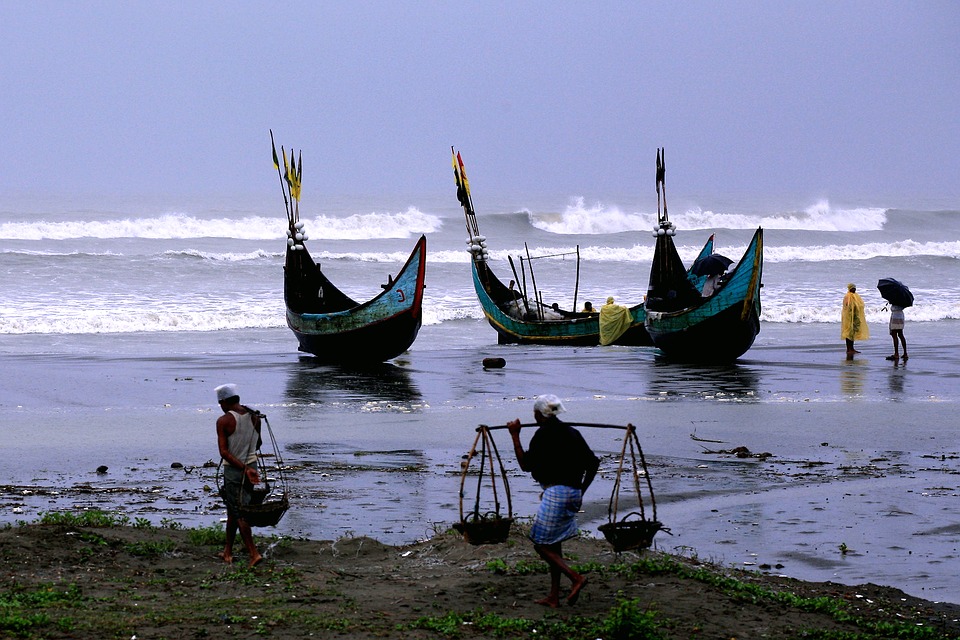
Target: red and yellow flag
(460, 177)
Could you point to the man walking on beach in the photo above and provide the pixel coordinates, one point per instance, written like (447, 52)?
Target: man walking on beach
(238, 438)
(564, 465)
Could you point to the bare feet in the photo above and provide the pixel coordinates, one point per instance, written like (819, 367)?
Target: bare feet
(254, 561)
(550, 601)
(905, 356)
(575, 590)
(226, 557)
(894, 357)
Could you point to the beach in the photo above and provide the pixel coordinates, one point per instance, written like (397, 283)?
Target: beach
(850, 473)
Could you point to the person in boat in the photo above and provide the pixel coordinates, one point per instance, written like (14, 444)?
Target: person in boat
(853, 322)
(558, 313)
(615, 320)
(238, 438)
(588, 307)
(562, 462)
(897, 320)
(711, 284)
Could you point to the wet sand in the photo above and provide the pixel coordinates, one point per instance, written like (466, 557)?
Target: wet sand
(860, 485)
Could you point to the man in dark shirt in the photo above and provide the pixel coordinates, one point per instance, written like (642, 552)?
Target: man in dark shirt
(564, 465)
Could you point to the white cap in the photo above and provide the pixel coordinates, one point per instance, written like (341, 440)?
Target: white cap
(225, 391)
(548, 405)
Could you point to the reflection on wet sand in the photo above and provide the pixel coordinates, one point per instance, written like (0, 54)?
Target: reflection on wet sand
(851, 376)
(896, 379)
(734, 382)
(310, 383)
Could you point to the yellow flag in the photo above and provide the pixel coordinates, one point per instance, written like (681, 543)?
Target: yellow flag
(295, 177)
(463, 190)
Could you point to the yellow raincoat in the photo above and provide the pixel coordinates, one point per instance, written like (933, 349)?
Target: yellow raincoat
(615, 319)
(853, 322)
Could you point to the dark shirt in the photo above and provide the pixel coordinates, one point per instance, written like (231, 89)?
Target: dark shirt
(558, 454)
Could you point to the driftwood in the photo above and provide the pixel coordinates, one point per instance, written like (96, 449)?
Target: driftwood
(741, 452)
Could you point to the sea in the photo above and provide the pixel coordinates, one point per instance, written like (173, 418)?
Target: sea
(135, 267)
(120, 314)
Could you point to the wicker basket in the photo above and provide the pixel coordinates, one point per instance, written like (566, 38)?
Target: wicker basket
(484, 529)
(630, 534)
(264, 514)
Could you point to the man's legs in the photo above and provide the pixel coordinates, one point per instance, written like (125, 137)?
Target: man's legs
(247, 536)
(227, 553)
(553, 555)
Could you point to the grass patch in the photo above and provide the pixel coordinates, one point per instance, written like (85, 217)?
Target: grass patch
(18, 608)
(625, 621)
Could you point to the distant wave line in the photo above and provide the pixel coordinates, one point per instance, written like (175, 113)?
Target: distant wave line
(580, 219)
(588, 254)
(176, 226)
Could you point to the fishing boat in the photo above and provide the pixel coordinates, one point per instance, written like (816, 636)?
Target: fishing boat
(517, 312)
(686, 320)
(327, 322)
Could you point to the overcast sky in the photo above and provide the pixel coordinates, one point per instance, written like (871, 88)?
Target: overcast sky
(845, 100)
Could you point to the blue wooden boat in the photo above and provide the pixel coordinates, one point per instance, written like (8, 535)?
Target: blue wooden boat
(687, 325)
(328, 323)
(519, 315)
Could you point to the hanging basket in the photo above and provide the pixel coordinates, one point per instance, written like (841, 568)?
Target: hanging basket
(630, 534)
(265, 514)
(637, 533)
(488, 527)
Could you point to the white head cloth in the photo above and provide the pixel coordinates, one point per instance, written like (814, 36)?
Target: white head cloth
(225, 391)
(548, 405)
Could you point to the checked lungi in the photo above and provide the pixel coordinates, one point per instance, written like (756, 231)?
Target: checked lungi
(556, 519)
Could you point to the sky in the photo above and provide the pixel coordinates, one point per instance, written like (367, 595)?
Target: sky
(799, 100)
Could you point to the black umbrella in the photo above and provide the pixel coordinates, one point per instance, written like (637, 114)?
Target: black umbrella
(895, 292)
(711, 265)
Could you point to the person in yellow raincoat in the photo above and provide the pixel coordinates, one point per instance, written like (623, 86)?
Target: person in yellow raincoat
(614, 321)
(853, 322)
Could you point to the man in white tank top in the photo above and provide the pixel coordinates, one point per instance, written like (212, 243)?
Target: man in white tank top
(238, 438)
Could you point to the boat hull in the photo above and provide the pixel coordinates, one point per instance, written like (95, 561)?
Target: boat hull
(375, 331)
(722, 327)
(580, 330)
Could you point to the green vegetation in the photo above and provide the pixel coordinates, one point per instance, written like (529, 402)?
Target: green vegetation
(625, 621)
(96, 583)
(18, 605)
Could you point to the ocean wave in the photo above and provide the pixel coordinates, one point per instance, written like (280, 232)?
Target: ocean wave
(180, 226)
(866, 251)
(39, 253)
(580, 219)
(877, 315)
(771, 253)
(75, 319)
(224, 257)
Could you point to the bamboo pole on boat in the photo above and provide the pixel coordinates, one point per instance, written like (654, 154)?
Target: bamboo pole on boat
(576, 284)
(522, 287)
(533, 281)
